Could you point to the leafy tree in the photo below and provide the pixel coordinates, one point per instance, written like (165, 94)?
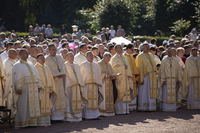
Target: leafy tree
(118, 13)
(12, 15)
(136, 16)
(197, 12)
(162, 16)
(164, 12)
(114, 12)
(182, 9)
(55, 12)
(180, 27)
(33, 9)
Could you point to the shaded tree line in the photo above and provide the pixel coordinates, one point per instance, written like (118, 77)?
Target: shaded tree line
(145, 17)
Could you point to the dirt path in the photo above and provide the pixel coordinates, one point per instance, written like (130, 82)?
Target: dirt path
(182, 121)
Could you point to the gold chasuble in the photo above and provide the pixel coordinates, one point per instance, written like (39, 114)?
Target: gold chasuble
(57, 68)
(92, 79)
(26, 78)
(75, 83)
(106, 69)
(120, 65)
(170, 74)
(134, 71)
(147, 66)
(49, 87)
(192, 75)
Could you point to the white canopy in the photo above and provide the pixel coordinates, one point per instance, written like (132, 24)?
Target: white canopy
(120, 40)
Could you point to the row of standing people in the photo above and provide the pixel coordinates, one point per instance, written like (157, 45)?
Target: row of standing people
(51, 89)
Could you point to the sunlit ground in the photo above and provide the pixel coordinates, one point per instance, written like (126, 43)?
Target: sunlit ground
(182, 121)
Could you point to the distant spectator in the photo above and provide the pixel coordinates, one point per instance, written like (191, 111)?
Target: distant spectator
(187, 51)
(101, 51)
(180, 55)
(120, 31)
(112, 50)
(43, 28)
(36, 39)
(95, 53)
(173, 37)
(98, 41)
(41, 37)
(3, 39)
(98, 34)
(112, 32)
(32, 42)
(153, 42)
(62, 29)
(69, 37)
(30, 30)
(156, 58)
(103, 38)
(37, 30)
(193, 35)
(49, 31)
(17, 44)
(94, 40)
(107, 34)
(160, 51)
(85, 40)
(79, 33)
(14, 37)
(135, 52)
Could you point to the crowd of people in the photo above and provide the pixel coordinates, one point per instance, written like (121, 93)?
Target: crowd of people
(71, 78)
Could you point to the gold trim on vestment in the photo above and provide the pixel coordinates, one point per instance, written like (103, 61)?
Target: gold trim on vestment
(88, 83)
(74, 112)
(132, 104)
(106, 111)
(60, 109)
(132, 67)
(152, 77)
(33, 111)
(126, 97)
(73, 85)
(23, 123)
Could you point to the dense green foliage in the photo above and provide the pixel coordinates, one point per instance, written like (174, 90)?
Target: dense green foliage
(180, 27)
(137, 17)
